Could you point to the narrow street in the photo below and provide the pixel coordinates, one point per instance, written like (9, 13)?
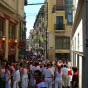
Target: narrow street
(43, 43)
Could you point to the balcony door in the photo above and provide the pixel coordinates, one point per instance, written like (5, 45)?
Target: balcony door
(59, 20)
(59, 23)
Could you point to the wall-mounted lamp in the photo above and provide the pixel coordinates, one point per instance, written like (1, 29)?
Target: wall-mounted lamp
(15, 40)
(3, 38)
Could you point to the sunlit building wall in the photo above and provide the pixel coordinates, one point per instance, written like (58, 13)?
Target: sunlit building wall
(59, 29)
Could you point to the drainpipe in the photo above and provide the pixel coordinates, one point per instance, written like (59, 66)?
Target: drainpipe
(46, 32)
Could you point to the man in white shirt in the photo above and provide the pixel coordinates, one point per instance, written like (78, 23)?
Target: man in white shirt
(48, 76)
(64, 75)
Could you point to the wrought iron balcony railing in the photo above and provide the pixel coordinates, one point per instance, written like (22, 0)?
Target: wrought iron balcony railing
(59, 26)
(61, 8)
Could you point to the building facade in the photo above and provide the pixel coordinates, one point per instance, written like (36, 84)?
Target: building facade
(39, 32)
(79, 40)
(11, 14)
(59, 25)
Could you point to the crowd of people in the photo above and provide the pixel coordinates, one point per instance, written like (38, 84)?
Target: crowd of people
(38, 74)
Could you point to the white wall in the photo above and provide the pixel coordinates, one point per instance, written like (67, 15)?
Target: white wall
(75, 37)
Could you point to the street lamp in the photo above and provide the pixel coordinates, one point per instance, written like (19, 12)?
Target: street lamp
(3, 38)
(15, 40)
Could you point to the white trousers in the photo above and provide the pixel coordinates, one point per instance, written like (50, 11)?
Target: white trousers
(48, 82)
(64, 78)
(15, 84)
(58, 83)
(24, 82)
(69, 80)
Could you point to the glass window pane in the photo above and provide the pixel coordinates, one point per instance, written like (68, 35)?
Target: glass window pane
(62, 42)
(11, 31)
(59, 20)
(68, 1)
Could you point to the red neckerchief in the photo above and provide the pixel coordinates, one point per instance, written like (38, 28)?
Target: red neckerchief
(59, 71)
(56, 65)
(66, 62)
(70, 72)
(14, 65)
(40, 66)
(47, 67)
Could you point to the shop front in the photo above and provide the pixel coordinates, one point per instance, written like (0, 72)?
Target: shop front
(8, 37)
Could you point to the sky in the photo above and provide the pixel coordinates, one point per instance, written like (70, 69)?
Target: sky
(31, 12)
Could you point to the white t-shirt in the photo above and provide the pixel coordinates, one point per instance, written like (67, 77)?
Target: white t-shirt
(48, 73)
(64, 71)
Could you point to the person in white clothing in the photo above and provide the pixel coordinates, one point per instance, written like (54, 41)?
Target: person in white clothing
(69, 77)
(7, 78)
(58, 78)
(24, 76)
(16, 77)
(31, 74)
(64, 75)
(48, 75)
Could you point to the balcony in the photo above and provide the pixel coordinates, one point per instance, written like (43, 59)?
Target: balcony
(59, 26)
(61, 8)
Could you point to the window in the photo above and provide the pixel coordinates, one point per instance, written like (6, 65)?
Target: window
(69, 11)
(78, 41)
(62, 42)
(1, 27)
(69, 16)
(59, 23)
(75, 43)
(68, 1)
(11, 31)
(21, 31)
(59, 20)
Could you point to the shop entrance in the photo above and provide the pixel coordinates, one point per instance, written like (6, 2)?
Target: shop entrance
(11, 58)
(62, 56)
